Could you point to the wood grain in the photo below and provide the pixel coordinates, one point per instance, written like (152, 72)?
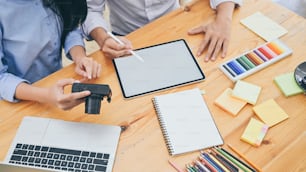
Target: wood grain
(141, 146)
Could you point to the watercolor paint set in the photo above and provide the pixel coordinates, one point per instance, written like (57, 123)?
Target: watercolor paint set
(255, 60)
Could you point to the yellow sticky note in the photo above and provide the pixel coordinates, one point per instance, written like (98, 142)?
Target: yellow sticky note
(228, 103)
(254, 132)
(270, 112)
(263, 26)
(246, 91)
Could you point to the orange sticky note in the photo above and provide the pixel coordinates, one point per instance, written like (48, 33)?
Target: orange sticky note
(228, 103)
(270, 112)
(254, 132)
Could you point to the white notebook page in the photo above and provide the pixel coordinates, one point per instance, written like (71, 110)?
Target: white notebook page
(186, 121)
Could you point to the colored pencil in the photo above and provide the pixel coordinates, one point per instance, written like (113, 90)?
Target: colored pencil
(175, 166)
(207, 164)
(211, 161)
(235, 160)
(201, 166)
(224, 168)
(225, 161)
(244, 158)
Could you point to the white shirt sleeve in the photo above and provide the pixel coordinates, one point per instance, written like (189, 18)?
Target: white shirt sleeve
(215, 3)
(95, 17)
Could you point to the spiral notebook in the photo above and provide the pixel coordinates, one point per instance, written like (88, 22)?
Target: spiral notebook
(186, 122)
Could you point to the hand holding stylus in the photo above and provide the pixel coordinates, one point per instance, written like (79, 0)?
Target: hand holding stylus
(121, 43)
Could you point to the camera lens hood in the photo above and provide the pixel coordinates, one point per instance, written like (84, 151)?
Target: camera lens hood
(93, 104)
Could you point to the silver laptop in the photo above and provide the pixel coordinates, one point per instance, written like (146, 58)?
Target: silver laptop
(5, 167)
(64, 146)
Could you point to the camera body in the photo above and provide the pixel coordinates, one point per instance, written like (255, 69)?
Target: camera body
(300, 76)
(93, 101)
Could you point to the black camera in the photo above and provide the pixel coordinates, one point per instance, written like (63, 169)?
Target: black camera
(93, 101)
(300, 76)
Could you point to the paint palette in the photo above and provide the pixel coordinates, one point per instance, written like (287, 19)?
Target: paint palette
(255, 60)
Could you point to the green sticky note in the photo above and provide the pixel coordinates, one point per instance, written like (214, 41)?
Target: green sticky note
(287, 84)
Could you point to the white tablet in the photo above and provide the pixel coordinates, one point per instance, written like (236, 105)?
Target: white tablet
(165, 65)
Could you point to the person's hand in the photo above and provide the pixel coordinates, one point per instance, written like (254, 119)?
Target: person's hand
(113, 49)
(56, 96)
(216, 40)
(88, 68)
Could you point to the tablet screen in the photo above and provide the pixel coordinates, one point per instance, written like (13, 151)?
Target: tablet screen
(165, 65)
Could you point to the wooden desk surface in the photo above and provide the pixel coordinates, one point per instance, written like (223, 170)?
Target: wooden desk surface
(141, 146)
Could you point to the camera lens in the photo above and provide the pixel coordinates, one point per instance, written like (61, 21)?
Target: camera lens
(93, 104)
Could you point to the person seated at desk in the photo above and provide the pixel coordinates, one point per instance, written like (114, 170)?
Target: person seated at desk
(32, 34)
(127, 16)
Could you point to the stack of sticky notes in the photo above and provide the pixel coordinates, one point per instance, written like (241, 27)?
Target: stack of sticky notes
(254, 132)
(234, 100)
(287, 84)
(229, 103)
(270, 112)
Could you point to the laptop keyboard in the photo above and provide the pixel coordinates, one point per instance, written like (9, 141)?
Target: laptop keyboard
(59, 159)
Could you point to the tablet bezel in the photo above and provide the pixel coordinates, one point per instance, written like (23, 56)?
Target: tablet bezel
(166, 87)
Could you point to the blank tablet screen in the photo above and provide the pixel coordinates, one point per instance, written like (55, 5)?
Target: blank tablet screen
(165, 65)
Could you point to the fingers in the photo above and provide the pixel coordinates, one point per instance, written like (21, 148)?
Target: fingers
(89, 68)
(78, 95)
(203, 45)
(63, 82)
(113, 49)
(93, 69)
(215, 41)
(197, 30)
(57, 97)
(126, 42)
(214, 48)
(113, 53)
(224, 48)
(68, 101)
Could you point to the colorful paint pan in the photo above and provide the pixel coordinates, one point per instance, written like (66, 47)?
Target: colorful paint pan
(255, 60)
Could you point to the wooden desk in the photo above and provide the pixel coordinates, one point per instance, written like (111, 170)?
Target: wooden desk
(141, 146)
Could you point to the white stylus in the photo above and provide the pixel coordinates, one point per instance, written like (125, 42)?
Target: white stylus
(121, 43)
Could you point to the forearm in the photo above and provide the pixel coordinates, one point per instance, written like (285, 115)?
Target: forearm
(225, 12)
(77, 53)
(99, 35)
(53, 95)
(26, 91)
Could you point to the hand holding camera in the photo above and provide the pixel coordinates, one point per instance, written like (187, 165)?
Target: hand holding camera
(93, 101)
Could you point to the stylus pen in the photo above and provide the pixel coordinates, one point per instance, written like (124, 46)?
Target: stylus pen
(121, 43)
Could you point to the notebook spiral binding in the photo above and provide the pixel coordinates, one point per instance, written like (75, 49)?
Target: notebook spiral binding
(163, 128)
